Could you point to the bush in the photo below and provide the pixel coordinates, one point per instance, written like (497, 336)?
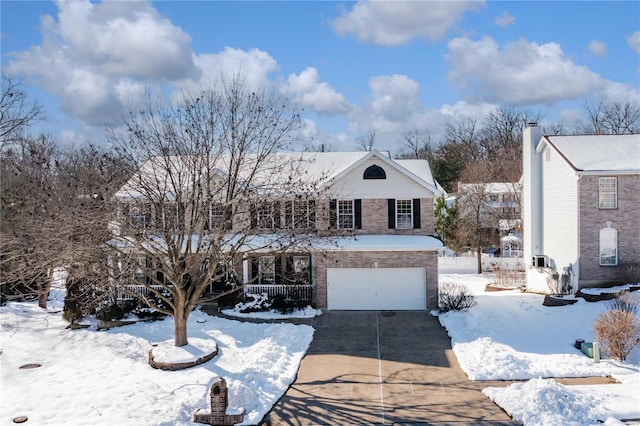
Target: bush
(627, 302)
(618, 332)
(455, 297)
(115, 312)
(631, 272)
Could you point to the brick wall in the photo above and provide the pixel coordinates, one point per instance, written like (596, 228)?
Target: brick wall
(625, 219)
(346, 259)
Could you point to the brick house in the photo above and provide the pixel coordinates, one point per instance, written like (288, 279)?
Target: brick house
(581, 196)
(372, 226)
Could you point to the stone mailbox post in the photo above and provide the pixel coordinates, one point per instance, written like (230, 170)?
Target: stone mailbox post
(219, 406)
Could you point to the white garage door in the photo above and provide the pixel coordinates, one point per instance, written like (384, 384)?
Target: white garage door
(376, 289)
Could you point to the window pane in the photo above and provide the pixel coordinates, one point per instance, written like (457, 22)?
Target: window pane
(266, 270)
(608, 246)
(345, 214)
(404, 216)
(607, 193)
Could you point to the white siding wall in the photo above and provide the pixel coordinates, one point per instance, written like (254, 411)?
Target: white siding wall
(396, 185)
(560, 227)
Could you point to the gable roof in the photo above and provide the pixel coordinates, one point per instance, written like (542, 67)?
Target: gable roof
(417, 170)
(597, 153)
(320, 169)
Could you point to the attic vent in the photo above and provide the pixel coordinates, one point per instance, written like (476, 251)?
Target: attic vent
(374, 172)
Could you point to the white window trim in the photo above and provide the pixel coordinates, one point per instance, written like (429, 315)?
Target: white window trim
(339, 214)
(398, 213)
(261, 274)
(614, 192)
(603, 248)
(266, 216)
(306, 221)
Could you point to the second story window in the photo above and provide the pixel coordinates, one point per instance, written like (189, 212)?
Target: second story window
(266, 215)
(219, 217)
(404, 214)
(300, 214)
(140, 216)
(171, 216)
(607, 193)
(345, 214)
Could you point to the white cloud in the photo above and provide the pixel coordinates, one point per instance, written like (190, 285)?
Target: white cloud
(393, 23)
(598, 48)
(93, 51)
(394, 107)
(504, 20)
(634, 41)
(253, 65)
(519, 72)
(464, 109)
(314, 94)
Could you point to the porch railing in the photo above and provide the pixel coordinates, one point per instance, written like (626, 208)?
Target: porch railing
(140, 290)
(290, 291)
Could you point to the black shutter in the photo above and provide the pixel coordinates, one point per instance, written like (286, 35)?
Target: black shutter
(254, 216)
(333, 214)
(289, 271)
(312, 214)
(254, 270)
(288, 214)
(391, 203)
(278, 270)
(416, 213)
(357, 209)
(276, 215)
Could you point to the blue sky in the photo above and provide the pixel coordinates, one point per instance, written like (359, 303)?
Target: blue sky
(384, 66)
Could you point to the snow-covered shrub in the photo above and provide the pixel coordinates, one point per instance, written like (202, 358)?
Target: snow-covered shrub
(455, 297)
(618, 329)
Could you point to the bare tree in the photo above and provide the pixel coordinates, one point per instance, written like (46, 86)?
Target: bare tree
(501, 140)
(611, 117)
(367, 140)
(213, 183)
(478, 220)
(418, 144)
(53, 213)
(17, 112)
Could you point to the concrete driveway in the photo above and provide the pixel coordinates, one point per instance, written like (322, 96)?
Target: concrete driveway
(382, 368)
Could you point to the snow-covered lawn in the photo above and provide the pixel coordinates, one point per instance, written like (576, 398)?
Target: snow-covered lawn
(91, 377)
(510, 335)
(102, 377)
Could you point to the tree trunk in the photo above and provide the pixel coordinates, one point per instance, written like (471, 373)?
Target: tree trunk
(479, 256)
(43, 294)
(180, 329)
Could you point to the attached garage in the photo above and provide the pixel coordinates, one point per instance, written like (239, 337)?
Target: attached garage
(376, 289)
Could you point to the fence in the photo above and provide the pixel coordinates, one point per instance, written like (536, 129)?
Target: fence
(469, 264)
(295, 291)
(140, 290)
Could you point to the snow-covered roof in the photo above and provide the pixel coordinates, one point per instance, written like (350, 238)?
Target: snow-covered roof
(319, 169)
(492, 187)
(598, 153)
(270, 242)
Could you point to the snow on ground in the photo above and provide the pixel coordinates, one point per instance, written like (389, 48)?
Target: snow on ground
(102, 377)
(306, 312)
(510, 335)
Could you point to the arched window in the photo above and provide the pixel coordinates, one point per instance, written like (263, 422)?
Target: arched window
(608, 247)
(374, 172)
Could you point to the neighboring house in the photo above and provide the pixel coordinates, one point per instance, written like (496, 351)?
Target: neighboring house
(500, 209)
(502, 198)
(372, 225)
(581, 196)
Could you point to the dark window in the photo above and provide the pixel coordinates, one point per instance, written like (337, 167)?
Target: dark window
(374, 172)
